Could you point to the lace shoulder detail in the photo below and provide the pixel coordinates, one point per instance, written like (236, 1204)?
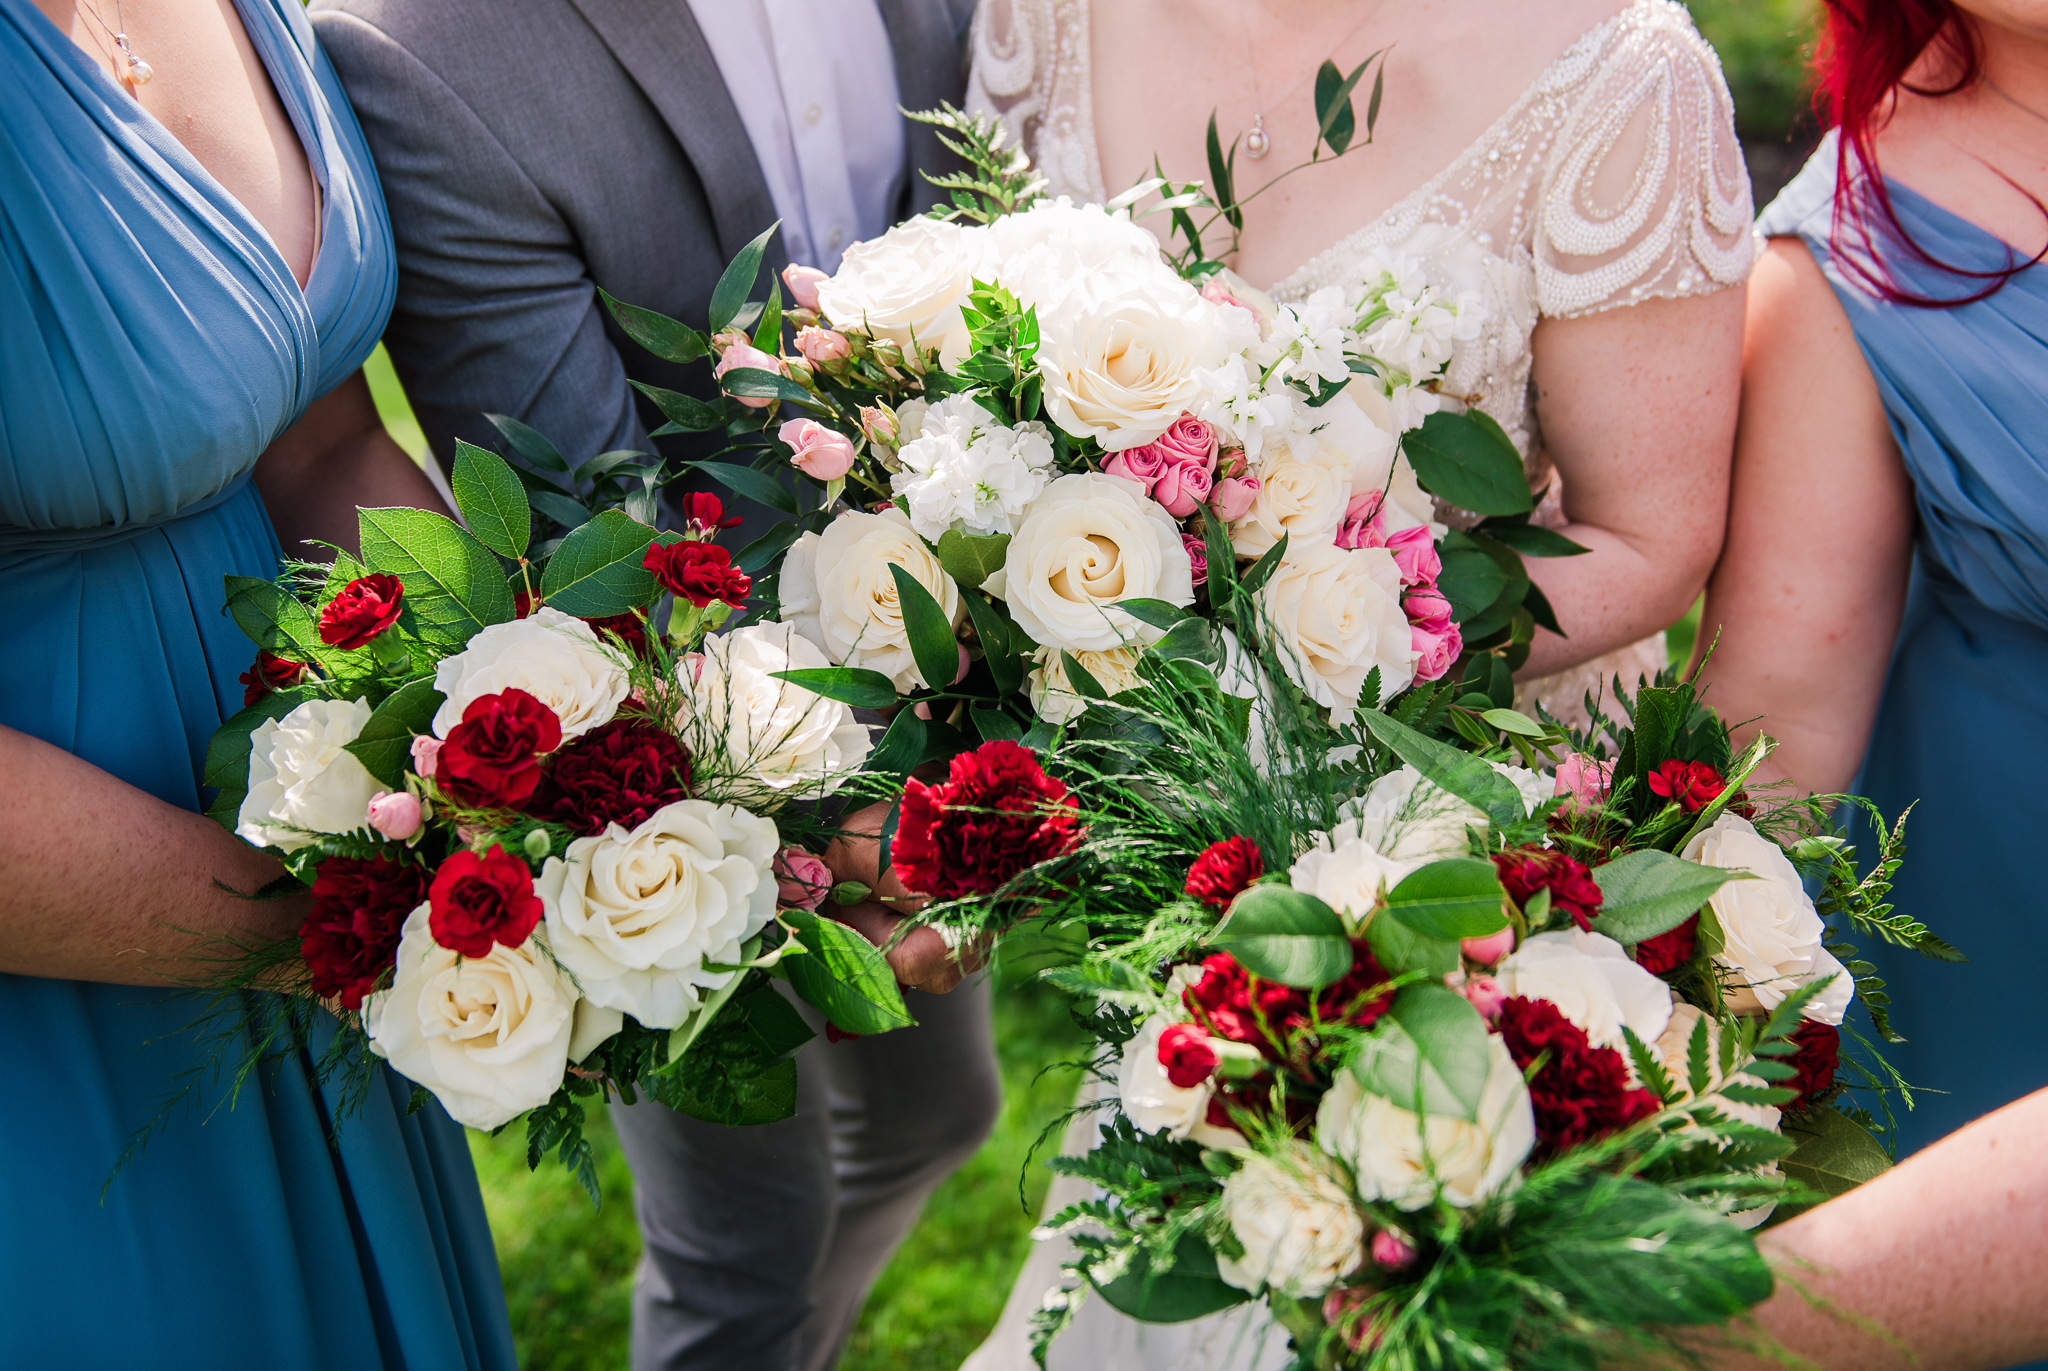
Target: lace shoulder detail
(1644, 194)
(1030, 70)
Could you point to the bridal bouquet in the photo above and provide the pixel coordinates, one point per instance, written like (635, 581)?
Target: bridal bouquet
(550, 847)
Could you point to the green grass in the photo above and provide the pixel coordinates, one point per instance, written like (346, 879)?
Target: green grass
(1763, 46)
(392, 406)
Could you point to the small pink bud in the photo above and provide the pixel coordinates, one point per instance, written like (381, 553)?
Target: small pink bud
(1585, 779)
(1230, 462)
(1365, 1335)
(878, 425)
(1363, 525)
(1391, 1250)
(820, 453)
(1415, 554)
(396, 815)
(741, 355)
(1485, 994)
(1488, 951)
(802, 881)
(425, 751)
(802, 284)
(822, 345)
(1233, 496)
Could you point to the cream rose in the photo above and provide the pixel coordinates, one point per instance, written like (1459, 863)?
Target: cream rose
(910, 283)
(552, 656)
(302, 777)
(1120, 353)
(1337, 614)
(1348, 874)
(1771, 933)
(1412, 820)
(838, 591)
(489, 1036)
(757, 740)
(1153, 1102)
(1053, 697)
(1592, 982)
(1301, 1231)
(635, 916)
(1407, 1160)
(1301, 499)
(1087, 542)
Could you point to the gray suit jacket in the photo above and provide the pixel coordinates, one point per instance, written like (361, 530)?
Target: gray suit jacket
(535, 150)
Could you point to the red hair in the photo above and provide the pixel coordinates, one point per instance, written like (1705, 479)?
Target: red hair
(1865, 52)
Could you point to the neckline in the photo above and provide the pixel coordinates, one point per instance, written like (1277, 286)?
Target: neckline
(1928, 207)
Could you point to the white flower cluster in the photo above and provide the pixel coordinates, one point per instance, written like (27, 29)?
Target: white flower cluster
(966, 471)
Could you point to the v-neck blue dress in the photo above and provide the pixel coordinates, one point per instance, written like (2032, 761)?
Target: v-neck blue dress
(152, 344)
(1963, 727)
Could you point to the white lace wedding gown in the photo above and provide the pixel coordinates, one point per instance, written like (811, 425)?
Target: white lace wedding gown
(1615, 178)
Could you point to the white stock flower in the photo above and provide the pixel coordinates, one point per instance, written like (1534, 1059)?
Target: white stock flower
(1301, 498)
(758, 740)
(1593, 982)
(1054, 699)
(1348, 874)
(488, 1036)
(1337, 614)
(1301, 1230)
(1411, 819)
(552, 656)
(1403, 1159)
(1673, 1053)
(1233, 399)
(966, 470)
(1087, 542)
(1309, 340)
(635, 916)
(1120, 352)
(301, 776)
(1153, 1102)
(909, 283)
(1771, 933)
(838, 592)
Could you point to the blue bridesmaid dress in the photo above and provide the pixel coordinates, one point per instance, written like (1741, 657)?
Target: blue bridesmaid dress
(152, 344)
(1963, 727)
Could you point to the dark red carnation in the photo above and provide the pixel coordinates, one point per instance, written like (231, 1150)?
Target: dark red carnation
(1695, 785)
(1224, 870)
(524, 602)
(704, 515)
(1232, 1003)
(1820, 1052)
(491, 760)
(619, 773)
(365, 607)
(629, 629)
(351, 933)
(697, 572)
(1581, 1092)
(478, 901)
(996, 814)
(1525, 870)
(271, 672)
(1185, 1053)
(1669, 950)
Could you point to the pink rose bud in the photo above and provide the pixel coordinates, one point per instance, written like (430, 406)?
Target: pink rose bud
(1427, 608)
(1415, 553)
(1435, 651)
(1391, 1250)
(1488, 951)
(1198, 555)
(820, 453)
(742, 355)
(822, 345)
(396, 816)
(1230, 462)
(1216, 293)
(1141, 464)
(425, 750)
(1182, 487)
(1585, 779)
(802, 881)
(1233, 497)
(878, 425)
(1363, 526)
(802, 284)
(1485, 995)
(1366, 1334)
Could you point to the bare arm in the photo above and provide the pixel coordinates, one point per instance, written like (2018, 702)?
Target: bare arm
(336, 458)
(1637, 407)
(1810, 587)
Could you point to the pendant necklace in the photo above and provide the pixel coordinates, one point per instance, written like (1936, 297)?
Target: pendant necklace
(1257, 142)
(135, 71)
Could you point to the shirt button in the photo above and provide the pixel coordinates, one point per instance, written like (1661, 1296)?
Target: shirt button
(812, 113)
(834, 239)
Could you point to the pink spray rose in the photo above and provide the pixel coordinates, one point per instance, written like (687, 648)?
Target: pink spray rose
(1435, 651)
(396, 816)
(1198, 555)
(425, 752)
(1391, 1250)
(1585, 779)
(1363, 526)
(1488, 951)
(821, 453)
(878, 425)
(1483, 992)
(1427, 608)
(1141, 464)
(741, 355)
(1189, 440)
(822, 345)
(802, 881)
(1182, 488)
(802, 284)
(1232, 497)
(1415, 553)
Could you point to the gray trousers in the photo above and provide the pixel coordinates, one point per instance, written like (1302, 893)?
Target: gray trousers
(761, 1243)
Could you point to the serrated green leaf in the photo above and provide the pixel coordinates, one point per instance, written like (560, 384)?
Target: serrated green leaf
(844, 976)
(971, 558)
(1450, 900)
(1471, 580)
(1469, 461)
(1399, 949)
(454, 585)
(1834, 1154)
(852, 685)
(276, 620)
(1430, 1048)
(1281, 934)
(385, 744)
(1649, 892)
(492, 501)
(597, 570)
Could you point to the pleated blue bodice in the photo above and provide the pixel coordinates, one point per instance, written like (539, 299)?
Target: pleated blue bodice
(1963, 728)
(152, 344)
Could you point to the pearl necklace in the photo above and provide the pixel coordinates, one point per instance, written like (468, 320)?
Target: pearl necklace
(1257, 142)
(136, 72)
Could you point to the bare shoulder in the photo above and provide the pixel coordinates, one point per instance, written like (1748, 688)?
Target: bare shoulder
(1795, 318)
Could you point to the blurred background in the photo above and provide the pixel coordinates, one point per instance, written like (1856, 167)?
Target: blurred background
(569, 1271)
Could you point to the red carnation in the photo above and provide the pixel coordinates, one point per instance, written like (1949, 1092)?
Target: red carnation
(351, 932)
(704, 515)
(1185, 1053)
(619, 773)
(1669, 950)
(1234, 1004)
(629, 629)
(1582, 1092)
(365, 607)
(996, 814)
(478, 901)
(697, 572)
(491, 760)
(1820, 1052)
(1694, 785)
(271, 672)
(524, 602)
(1224, 870)
(1525, 870)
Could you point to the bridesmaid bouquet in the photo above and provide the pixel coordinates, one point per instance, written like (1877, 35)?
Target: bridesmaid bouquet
(550, 846)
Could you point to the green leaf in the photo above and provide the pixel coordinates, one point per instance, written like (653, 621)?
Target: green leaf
(1080, 679)
(1533, 540)
(1458, 898)
(692, 1028)
(757, 556)
(998, 649)
(757, 486)
(1335, 123)
(930, 632)
(737, 282)
(1468, 460)
(970, 558)
(1221, 183)
(1646, 893)
(686, 412)
(994, 724)
(1157, 613)
(1627, 1253)
(775, 1021)
(275, 619)
(1471, 580)
(664, 337)
(596, 571)
(1193, 639)
(454, 585)
(1399, 948)
(529, 443)
(1459, 773)
(901, 748)
(492, 500)
(852, 685)
(1189, 1289)
(1508, 721)
(757, 383)
(570, 514)
(1036, 946)
(844, 976)
(1281, 934)
(1262, 570)
(1834, 1154)
(384, 747)
(768, 333)
(1430, 1047)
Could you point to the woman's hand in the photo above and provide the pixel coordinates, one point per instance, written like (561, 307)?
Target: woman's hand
(920, 958)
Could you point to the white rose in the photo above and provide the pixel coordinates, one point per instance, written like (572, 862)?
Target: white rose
(1087, 542)
(301, 776)
(1300, 1229)
(965, 470)
(758, 740)
(1403, 1159)
(1337, 614)
(489, 1036)
(1771, 933)
(1120, 352)
(1304, 500)
(1412, 820)
(1348, 874)
(1053, 697)
(1592, 982)
(1153, 1102)
(635, 916)
(1674, 1055)
(552, 656)
(910, 283)
(838, 592)
(1040, 254)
